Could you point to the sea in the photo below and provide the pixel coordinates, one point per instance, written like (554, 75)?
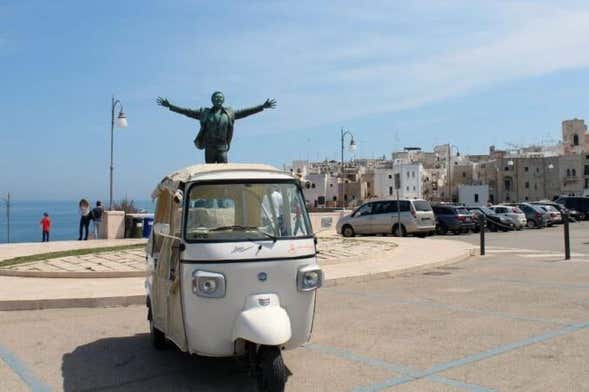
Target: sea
(65, 219)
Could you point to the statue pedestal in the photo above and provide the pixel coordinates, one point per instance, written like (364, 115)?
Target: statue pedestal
(113, 225)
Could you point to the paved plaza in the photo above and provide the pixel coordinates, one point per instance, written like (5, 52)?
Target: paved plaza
(332, 250)
(505, 322)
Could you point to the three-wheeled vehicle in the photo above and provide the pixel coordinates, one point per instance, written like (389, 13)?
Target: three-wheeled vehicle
(232, 267)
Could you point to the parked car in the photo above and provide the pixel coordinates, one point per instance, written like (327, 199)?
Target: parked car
(494, 221)
(580, 204)
(574, 215)
(554, 216)
(455, 219)
(512, 214)
(382, 217)
(536, 217)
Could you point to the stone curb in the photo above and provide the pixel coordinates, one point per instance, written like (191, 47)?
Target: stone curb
(60, 303)
(77, 275)
(390, 274)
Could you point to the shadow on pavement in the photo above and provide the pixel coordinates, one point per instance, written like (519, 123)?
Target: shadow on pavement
(132, 364)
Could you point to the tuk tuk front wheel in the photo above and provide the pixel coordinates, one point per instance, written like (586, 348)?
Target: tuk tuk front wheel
(272, 373)
(158, 338)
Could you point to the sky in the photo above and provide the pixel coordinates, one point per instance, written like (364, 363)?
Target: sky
(395, 74)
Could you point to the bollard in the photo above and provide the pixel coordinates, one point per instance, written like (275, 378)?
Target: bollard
(567, 243)
(483, 225)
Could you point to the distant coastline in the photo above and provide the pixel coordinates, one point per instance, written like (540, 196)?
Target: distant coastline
(25, 217)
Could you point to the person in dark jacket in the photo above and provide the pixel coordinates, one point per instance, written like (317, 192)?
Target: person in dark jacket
(97, 218)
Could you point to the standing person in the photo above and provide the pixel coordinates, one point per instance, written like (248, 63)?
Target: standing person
(85, 217)
(45, 227)
(97, 217)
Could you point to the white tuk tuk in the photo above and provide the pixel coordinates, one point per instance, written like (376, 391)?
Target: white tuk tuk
(232, 267)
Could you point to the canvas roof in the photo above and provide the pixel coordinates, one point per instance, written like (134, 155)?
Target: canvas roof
(220, 171)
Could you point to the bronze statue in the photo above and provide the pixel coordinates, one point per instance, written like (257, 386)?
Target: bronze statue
(216, 124)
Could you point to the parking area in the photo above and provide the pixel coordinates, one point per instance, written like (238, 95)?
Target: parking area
(505, 322)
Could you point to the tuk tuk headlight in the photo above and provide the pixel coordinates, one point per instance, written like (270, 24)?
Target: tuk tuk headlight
(208, 284)
(309, 278)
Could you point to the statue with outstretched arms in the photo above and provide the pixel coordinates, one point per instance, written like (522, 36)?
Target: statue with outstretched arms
(216, 124)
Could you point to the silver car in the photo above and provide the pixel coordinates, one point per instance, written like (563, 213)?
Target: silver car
(512, 214)
(383, 217)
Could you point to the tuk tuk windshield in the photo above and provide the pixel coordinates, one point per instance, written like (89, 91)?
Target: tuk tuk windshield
(245, 211)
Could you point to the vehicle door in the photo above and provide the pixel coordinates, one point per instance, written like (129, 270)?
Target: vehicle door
(362, 219)
(381, 218)
(501, 211)
(166, 302)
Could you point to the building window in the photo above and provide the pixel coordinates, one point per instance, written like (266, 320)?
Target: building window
(335, 198)
(407, 189)
(313, 185)
(476, 197)
(390, 176)
(527, 185)
(390, 190)
(506, 168)
(535, 186)
(331, 185)
(507, 183)
(586, 183)
(413, 188)
(568, 172)
(576, 140)
(526, 198)
(463, 174)
(413, 174)
(537, 170)
(407, 174)
(574, 173)
(587, 170)
(526, 169)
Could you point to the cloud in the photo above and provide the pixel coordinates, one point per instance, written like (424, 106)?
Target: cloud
(327, 63)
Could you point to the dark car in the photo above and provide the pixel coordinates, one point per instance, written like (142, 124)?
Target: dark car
(453, 219)
(536, 216)
(494, 222)
(573, 215)
(577, 203)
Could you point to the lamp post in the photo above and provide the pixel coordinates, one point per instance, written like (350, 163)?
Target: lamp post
(550, 167)
(450, 168)
(352, 147)
(121, 123)
(7, 201)
(514, 178)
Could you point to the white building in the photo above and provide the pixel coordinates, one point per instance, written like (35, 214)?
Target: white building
(320, 189)
(473, 195)
(410, 175)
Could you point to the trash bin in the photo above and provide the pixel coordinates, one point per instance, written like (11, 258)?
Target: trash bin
(147, 226)
(133, 226)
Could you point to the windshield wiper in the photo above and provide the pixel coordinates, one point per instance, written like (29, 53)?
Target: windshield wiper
(244, 228)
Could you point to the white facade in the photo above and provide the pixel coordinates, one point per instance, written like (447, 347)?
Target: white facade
(320, 189)
(411, 181)
(384, 182)
(473, 195)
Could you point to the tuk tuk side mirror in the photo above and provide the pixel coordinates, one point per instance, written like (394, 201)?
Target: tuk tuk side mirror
(161, 228)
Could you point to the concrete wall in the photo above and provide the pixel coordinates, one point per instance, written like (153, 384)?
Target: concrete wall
(325, 221)
(113, 225)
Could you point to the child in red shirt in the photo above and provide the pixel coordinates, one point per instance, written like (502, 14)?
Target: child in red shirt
(45, 226)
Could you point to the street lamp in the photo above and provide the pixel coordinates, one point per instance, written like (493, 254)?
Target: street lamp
(7, 201)
(352, 147)
(121, 123)
(450, 168)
